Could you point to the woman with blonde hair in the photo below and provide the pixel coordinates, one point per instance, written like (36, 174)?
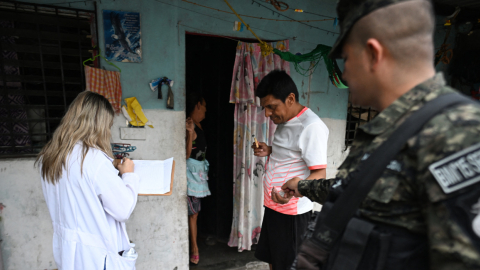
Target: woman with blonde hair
(87, 200)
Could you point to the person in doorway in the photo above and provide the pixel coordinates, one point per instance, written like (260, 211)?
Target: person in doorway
(299, 148)
(88, 202)
(197, 166)
(425, 202)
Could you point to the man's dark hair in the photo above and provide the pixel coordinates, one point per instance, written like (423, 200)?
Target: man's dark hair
(192, 99)
(278, 84)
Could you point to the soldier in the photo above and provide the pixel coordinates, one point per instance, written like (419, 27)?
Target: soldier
(387, 46)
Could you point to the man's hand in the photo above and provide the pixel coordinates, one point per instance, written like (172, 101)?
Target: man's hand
(276, 197)
(291, 187)
(263, 149)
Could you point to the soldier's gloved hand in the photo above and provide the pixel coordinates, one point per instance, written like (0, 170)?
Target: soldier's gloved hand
(280, 198)
(291, 187)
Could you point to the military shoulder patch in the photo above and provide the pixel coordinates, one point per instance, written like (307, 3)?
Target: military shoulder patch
(459, 170)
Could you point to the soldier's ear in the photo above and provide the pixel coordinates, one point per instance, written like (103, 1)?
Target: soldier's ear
(376, 53)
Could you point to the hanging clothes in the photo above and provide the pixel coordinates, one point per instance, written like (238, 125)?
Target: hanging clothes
(106, 83)
(250, 121)
(250, 68)
(134, 113)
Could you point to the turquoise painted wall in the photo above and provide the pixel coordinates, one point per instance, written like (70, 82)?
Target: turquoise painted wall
(163, 45)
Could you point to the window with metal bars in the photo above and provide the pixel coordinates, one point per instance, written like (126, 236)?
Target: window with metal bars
(356, 117)
(42, 49)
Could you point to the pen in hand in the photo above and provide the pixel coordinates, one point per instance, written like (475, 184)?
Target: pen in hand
(125, 165)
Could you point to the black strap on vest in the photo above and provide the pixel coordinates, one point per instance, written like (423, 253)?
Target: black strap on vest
(332, 226)
(353, 244)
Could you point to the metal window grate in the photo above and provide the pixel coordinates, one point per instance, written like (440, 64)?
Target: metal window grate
(42, 49)
(356, 117)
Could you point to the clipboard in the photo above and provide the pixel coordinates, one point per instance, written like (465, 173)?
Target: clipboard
(171, 184)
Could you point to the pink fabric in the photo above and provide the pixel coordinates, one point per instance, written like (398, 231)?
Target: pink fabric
(250, 121)
(250, 68)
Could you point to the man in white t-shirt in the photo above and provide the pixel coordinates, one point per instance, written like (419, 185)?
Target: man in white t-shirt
(299, 149)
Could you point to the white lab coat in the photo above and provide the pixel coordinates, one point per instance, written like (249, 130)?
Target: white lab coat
(89, 212)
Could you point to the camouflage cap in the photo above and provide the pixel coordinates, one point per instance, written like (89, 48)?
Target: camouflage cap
(349, 12)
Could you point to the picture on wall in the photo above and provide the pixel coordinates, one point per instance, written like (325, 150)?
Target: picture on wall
(122, 36)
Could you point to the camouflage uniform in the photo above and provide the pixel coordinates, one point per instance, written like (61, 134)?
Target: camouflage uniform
(407, 195)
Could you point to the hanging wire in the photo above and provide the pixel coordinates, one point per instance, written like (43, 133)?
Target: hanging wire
(307, 12)
(265, 47)
(255, 17)
(210, 16)
(282, 6)
(311, 26)
(310, 69)
(278, 5)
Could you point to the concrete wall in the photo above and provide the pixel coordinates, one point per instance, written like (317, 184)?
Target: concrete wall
(159, 224)
(25, 226)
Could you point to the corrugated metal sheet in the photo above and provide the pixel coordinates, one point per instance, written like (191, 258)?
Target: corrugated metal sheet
(461, 3)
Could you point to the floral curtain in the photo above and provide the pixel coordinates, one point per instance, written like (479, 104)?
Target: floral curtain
(250, 122)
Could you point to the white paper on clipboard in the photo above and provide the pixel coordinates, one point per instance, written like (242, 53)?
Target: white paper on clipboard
(155, 175)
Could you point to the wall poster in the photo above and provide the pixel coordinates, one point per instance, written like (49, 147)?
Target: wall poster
(122, 36)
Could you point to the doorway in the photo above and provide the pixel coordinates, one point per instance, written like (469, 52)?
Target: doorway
(209, 69)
